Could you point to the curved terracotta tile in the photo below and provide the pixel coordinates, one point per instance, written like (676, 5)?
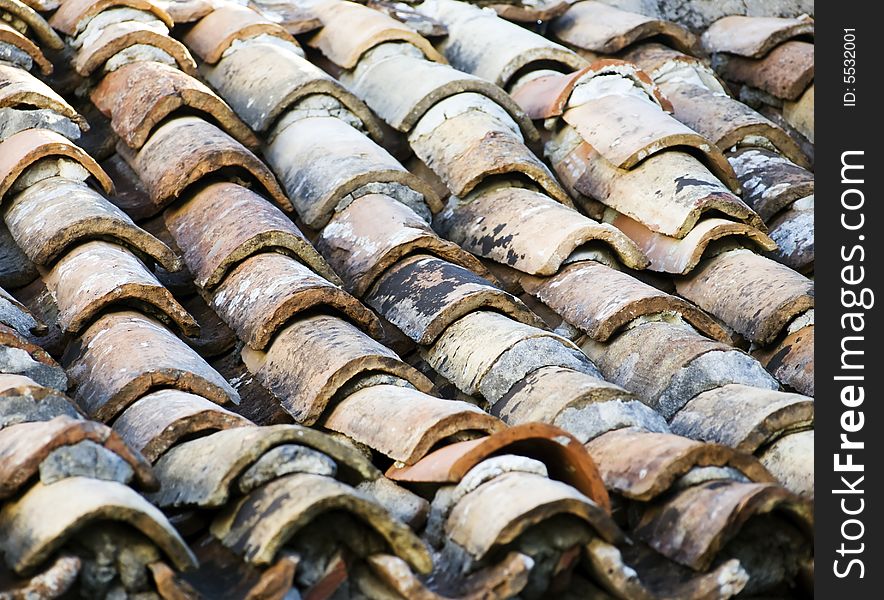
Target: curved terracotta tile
(184, 481)
(242, 80)
(468, 349)
(755, 417)
(139, 96)
(214, 33)
(616, 299)
(465, 149)
(529, 231)
(374, 232)
(96, 276)
(107, 379)
(11, 36)
(667, 364)
(791, 361)
(682, 188)
(258, 527)
(790, 460)
(197, 148)
(785, 72)
(42, 520)
(793, 232)
(349, 30)
(52, 215)
(499, 511)
(727, 122)
(583, 405)
(770, 182)
(627, 130)
(547, 96)
(267, 291)
(37, 24)
(752, 294)
(487, 46)
(799, 114)
(403, 423)
(73, 15)
(340, 352)
(224, 223)
(25, 445)
(421, 84)
(599, 27)
(641, 466)
(753, 36)
(18, 87)
(422, 295)
(20, 151)
(681, 256)
(118, 36)
(524, 13)
(158, 421)
(565, 458)
(350, 162)
(714, 513)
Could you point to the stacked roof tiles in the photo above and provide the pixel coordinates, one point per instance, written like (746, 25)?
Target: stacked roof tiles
(498, 317)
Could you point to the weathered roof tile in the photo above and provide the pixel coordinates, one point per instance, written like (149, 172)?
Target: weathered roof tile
(529, 231)
(117, 37)
(52, 215)
(756, 416)
(403, 423)
(617, 300)
(268, 290)
(340, 353)
(681, 256)
(106, 380)
(222, 224)
(72, 16)
(375, 231)
(784, 72)
(96, 276)
(20, 151)
(349, 30)
(158, 421)
(754, 295)
(422, 295)
(753, 36)
(39, 522)
(261, 81)
(487, 46)
(603, 28)
(641, 465)
(197, 148)
(216, 32)
(352, 162)
(139, 96)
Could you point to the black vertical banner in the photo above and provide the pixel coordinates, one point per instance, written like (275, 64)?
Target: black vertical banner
(848, 360)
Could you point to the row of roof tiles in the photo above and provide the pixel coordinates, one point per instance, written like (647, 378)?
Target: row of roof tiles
(368, 215)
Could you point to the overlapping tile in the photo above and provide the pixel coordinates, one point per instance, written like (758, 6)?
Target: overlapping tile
(199, 149)
(599, 27)
(139, 96)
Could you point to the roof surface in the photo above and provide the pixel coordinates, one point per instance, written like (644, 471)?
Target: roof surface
(332, 300)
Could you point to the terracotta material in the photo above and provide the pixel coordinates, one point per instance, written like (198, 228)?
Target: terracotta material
(197, 148)
(20, 151)
(267, 291)
(107, 380)
(214, 33)
(222, 224)
(139, 96)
